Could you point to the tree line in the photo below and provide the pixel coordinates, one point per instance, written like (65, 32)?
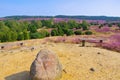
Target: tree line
(14, 30)
(105, 18)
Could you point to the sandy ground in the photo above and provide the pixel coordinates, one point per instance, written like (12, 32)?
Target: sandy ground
(79, 63)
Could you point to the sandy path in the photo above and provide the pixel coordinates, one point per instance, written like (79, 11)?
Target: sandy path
(79, 63)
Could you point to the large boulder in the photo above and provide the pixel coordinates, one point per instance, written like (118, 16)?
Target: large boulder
(46, 66)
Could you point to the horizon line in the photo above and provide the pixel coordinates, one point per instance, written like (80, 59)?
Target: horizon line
(61, 15)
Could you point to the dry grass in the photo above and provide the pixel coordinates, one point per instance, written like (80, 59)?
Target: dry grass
(77, 62)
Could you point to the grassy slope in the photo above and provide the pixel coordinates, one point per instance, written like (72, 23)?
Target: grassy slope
(76, 61)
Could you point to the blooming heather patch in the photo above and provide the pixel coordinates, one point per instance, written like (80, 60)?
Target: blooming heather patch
(113, 43)
(103, 29)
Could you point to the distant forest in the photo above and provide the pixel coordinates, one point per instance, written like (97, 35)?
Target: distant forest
(70, 17)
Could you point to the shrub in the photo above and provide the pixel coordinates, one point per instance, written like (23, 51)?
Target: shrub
(78, 32)
(113, 43)
(88, 33)
(20, 36)
(26, 35)
(69, 32)
(54, 32)
(35, 35)
(60, 31)
(44, 33)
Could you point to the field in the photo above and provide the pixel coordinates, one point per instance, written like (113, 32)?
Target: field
(99, 59)
(79, 63)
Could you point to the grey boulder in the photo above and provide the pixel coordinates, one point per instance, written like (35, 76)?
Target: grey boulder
(46, 66)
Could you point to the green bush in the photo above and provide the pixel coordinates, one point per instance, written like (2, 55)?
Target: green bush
(20, 36)
(35, 35)
(44, 33)
(88, 33)
(69, 32)
(26, 35)
(54, 32)
(78, 32)
(40, 34)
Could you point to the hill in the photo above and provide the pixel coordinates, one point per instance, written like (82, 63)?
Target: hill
(68, 17)
(79, 63)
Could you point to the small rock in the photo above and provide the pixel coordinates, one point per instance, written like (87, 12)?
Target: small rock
(32, 48)
(98, 53)
(64, 71)
(92, 69)
(2, 47)
(21, 44)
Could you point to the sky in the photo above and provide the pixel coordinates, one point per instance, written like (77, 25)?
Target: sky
(60, 7)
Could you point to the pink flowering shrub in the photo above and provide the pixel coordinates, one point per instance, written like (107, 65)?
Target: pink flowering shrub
(60, 39)
(112, 46)
(103, 29)
(113, 43)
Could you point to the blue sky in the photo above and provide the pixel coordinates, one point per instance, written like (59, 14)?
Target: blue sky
(60, 7)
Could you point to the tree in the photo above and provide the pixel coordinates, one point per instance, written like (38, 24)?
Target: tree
(1, 24)
(72, 24)
(47, 23)
(1, 37)
(23, 25)
(13, 25)
(79, 26)
(44, 33)
(54, 32)
(6, 37)
(60, 31)
(69, 32)
(32, 28)
(13, 36)
(35, 35)
(20, 36)
(26, 35)
(36, 23)
(62, 24)
(85, 25)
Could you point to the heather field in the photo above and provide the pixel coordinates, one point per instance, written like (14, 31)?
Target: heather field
(60, 40)
(87, 50)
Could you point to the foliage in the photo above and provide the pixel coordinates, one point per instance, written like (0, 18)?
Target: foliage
(72, 24)
(110, 25)
(14, 36)
(113, 43)
(47, 23)
(78, 32)
(69, 32)
(35, 35)
(26, 35)
(37, 24)
(44, 33)
(88, 33)
(60, 31)
(85, 25)
(32, 28)
(103, 29)
(41, 34)
(20, 36)
(54, 32)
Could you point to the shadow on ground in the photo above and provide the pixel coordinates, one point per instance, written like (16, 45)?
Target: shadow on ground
(19, 76)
